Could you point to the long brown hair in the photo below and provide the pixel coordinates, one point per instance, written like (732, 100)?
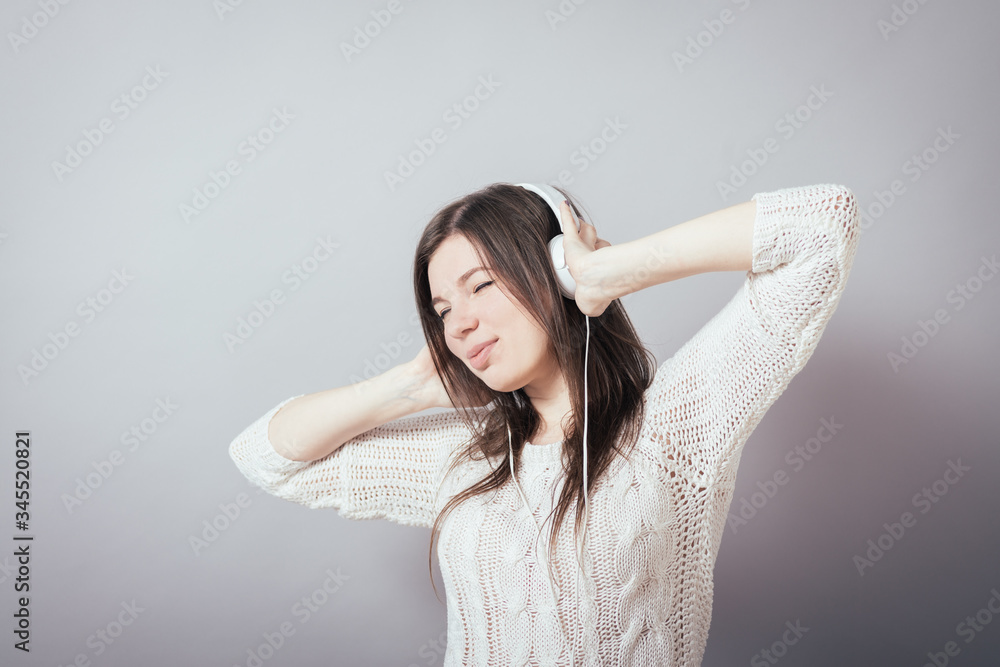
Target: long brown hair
(510, 227)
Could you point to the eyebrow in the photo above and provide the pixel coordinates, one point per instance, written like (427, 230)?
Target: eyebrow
(461, 281)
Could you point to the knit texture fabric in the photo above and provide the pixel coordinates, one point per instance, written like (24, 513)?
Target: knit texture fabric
(656, 518)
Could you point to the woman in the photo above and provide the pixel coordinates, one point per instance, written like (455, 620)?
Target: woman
(664, 443)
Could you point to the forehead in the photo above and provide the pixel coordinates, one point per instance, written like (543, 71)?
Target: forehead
(452, 259)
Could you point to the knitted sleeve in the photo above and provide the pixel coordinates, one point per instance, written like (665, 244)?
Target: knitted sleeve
(389, 472)
(707, 399)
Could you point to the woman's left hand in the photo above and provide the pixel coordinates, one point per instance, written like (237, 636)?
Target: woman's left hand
(583, 250)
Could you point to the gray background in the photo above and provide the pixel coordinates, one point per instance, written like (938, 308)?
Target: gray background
(687, 128)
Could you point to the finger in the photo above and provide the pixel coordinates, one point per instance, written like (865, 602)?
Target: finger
(567, 220)
(588, 233)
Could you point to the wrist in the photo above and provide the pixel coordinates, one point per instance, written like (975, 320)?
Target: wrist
(404, 386)
(611, 270)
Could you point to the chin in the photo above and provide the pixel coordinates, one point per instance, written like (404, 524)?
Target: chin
(492, 383)
(504, 386)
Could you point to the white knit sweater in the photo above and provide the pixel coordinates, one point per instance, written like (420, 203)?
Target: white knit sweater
(656, 519)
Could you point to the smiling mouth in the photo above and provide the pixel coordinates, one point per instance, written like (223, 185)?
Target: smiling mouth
(479, 361)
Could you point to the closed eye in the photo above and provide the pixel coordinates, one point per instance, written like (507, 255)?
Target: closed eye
(478, 287)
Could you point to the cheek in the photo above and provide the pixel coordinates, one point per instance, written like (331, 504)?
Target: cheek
(506, 311)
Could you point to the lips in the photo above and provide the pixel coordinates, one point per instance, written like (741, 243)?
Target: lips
(476, 349)
(481, 360)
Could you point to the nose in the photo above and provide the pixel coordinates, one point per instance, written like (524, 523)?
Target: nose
(461, 320)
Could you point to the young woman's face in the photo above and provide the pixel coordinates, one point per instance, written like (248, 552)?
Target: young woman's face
(478, 310)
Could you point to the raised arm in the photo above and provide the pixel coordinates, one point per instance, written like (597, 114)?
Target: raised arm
(719, 241)
(799, 245)
(311, 426)
(334, 451)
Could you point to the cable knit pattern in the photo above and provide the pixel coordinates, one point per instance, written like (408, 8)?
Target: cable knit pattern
(656, 518)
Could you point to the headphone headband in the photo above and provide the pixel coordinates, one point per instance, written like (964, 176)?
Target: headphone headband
(551, 196)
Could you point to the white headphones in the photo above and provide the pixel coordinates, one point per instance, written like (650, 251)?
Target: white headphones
(568, 287)
(552, 197)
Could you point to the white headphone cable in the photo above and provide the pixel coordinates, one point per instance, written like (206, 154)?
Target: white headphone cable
(586, 504)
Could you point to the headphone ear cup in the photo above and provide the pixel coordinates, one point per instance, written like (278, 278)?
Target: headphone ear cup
(565, 279)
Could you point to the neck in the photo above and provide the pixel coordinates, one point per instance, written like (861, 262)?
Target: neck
(551, 401)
